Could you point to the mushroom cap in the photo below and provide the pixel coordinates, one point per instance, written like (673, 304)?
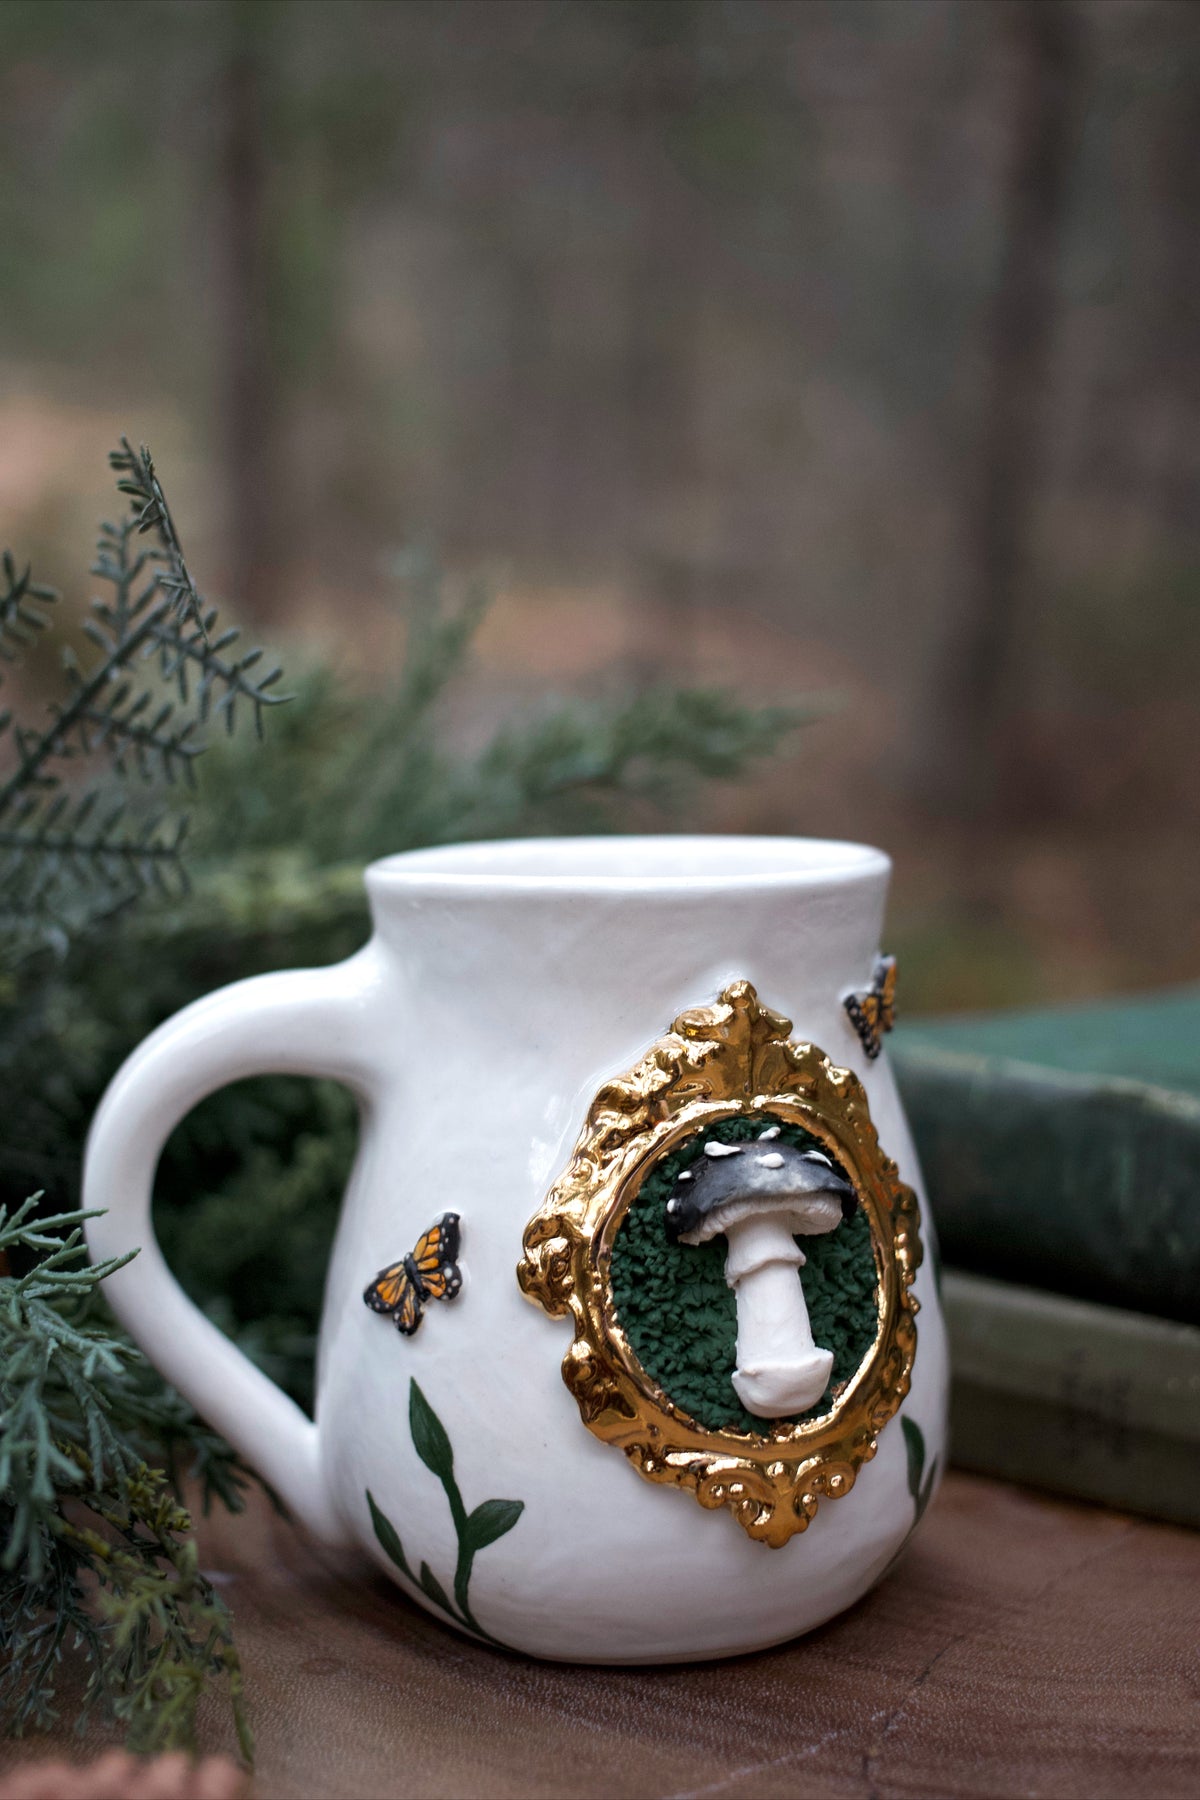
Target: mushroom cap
(751, 1180)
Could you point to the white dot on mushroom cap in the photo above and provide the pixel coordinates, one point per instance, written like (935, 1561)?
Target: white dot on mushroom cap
(774, 1161)
(772, 1131)
(722, 1149)
(817, 1156)
(684, 1175)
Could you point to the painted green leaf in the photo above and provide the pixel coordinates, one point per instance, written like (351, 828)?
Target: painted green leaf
(431, 1586)
(490, 1521)
(429, 1436)
(914, 1444)
(386, 1532)
(475, 1531)
(926, 1494)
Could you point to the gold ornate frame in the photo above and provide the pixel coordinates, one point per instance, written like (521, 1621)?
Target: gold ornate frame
(716, 1062)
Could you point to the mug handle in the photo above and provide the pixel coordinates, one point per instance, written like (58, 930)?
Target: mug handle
(301, 1022)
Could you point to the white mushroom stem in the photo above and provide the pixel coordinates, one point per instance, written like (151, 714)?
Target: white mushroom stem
(780, 1370)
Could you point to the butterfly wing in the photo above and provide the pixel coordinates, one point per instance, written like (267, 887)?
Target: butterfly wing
(874, 1012)
(387, 1290)
(864, 1016)
(409, 1311)
(436, 1259)
(393, 1291)
(885, 987)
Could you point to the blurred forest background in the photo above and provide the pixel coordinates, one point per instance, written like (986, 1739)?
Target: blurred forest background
(842, 347)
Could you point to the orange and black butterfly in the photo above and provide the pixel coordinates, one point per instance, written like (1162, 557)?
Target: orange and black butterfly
(874, 1012)
(431, 1272)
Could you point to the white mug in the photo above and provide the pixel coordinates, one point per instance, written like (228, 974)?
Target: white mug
(534, 1031)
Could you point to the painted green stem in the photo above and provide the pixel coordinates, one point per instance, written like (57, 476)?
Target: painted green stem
(474, 1531)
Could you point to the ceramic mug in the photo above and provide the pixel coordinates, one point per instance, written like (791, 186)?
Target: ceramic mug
(546, 1404)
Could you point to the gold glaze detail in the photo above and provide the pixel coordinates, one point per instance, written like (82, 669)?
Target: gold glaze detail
(717, 1062)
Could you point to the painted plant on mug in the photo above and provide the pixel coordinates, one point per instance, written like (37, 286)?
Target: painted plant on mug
(475, 1530)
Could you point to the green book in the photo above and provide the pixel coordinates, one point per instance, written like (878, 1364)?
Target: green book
(1061, 1150)
(1084, 1400)
(1055, 1155)
(1153, 1038)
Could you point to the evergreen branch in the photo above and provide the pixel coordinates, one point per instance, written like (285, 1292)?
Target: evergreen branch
(363, 777)
(438, 639)
(47, 846)
(91, 703)
(221, 682)
(574, 766)
(120, 722)
(38, 749)
(98, 1556)
(135, 738)
(27, 1231)
(122, 569)
(151, 513)
(21, 602)
(58, 877)
(57, 874)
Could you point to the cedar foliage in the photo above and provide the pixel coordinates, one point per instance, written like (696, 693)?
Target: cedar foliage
(98, 1561)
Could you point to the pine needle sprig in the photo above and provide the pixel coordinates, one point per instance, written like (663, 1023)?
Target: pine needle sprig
(21, 608)
(356, 777)
(137, 478)
(140, 618)
(58, 831)
(67, 860)
(580, 766)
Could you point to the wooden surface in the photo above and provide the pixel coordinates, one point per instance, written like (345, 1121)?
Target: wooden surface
(1024, 1646)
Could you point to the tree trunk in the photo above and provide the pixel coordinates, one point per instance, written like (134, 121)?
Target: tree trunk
(663, 289)
(971, 765)
(252, 455)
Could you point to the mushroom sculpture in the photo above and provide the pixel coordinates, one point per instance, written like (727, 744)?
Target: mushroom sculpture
(760, 1196)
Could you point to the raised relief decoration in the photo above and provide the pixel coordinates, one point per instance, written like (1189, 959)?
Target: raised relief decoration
(873, 1010)
(762, 1197)
(736, 1254)
(429, 1272)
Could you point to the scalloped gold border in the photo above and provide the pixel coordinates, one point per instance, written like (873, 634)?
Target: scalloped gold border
(716, 1062)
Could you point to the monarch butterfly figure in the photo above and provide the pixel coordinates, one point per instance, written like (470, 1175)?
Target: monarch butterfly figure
(430, 1272)
(874, 1012)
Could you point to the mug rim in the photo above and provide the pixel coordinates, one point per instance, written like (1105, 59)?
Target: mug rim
(654, 862)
